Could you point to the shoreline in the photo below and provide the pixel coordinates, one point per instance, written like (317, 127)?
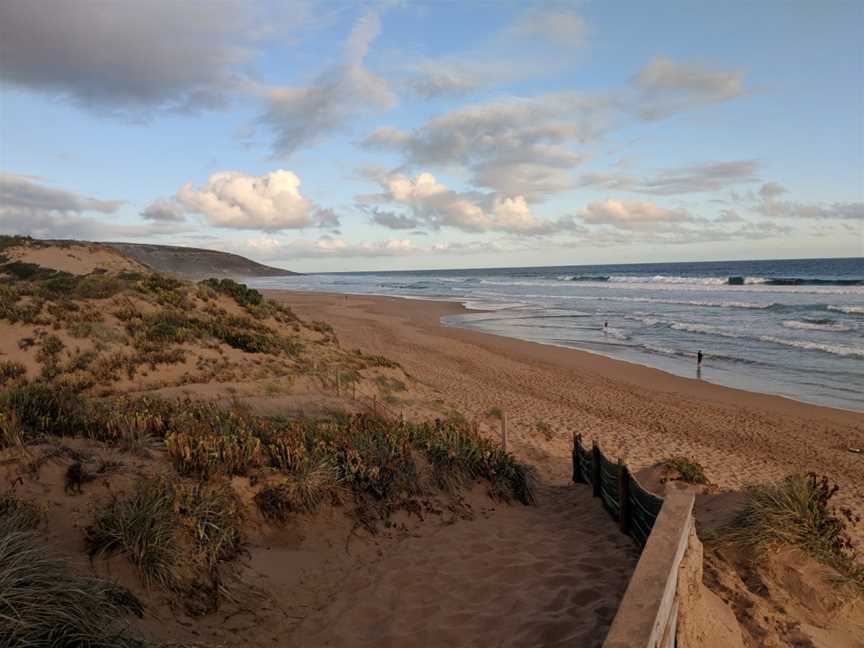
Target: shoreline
(633, 373)
(639, 415)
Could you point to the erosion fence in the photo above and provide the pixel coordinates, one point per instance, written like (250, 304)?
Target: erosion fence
(633, 507)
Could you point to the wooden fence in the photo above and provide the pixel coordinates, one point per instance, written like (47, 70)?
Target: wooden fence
(634, 508)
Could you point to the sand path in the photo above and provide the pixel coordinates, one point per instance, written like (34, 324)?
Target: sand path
(550, 575)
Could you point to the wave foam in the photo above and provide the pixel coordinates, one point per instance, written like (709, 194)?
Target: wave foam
(815, 326)
(849, 310)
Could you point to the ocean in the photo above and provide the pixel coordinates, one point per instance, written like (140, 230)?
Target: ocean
(793, 327)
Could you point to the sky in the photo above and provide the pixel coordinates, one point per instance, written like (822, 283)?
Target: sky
(331, 136)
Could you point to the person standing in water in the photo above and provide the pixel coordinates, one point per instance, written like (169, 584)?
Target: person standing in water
(699, 359)
(605, 327)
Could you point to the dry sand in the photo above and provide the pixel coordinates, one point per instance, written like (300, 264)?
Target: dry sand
(637, 413)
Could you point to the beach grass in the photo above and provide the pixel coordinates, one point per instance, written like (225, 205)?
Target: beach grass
(798, 512)
(44, 603)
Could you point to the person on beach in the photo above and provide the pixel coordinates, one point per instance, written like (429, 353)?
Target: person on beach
(699, 359)
(605, 327)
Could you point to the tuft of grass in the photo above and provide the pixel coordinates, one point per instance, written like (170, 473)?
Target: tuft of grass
(25, 514)
(144, 527)
(544, 429)
(689, 470)
(11, 371)
(495, 412)
(797, 511)
(43, 603)
(178, 534)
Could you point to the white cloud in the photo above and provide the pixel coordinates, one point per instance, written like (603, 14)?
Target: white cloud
(128, 55)
(667, 87)
(270, 202)
(300, 116)
(434, 205)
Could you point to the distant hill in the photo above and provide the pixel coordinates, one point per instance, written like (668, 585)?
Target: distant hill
(195, 263)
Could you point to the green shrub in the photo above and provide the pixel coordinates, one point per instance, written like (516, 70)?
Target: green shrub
(689, 470)
(43, 409)
(240, 293)
(219, 443)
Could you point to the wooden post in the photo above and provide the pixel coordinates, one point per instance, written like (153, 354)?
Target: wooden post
(595, 468)
(577, 472)
(354, 390)
(338, 383)
(504, 431)
(624, 498)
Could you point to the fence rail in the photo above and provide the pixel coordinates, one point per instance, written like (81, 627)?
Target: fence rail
(634, 508)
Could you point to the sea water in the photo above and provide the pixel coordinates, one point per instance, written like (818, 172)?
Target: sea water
(793, 328)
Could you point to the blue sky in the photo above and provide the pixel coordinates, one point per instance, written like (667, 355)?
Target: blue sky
(399, 135)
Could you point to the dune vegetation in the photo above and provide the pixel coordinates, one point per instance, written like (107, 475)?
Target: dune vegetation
(82, 362)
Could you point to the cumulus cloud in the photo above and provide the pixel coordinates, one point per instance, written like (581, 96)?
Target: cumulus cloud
(127, 55)
(434, 205)
(690, 179)
(667, 87)
(270, 202)
(516, 146)
(163, 210)
(302, 115)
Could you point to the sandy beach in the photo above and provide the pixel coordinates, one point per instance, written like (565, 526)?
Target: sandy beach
(637, 413)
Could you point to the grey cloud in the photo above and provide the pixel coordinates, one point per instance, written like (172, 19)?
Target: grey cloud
(127, 56)
(392, 220)
(690, 179)
(558, 26)
(517, 146)
(771, 190)
(22, 193)
(300, 116)
(164, 211)
(490, 62)
(811, 211)
(667, 87)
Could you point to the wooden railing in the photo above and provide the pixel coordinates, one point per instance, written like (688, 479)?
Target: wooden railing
(634, 508)
(663, 528)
